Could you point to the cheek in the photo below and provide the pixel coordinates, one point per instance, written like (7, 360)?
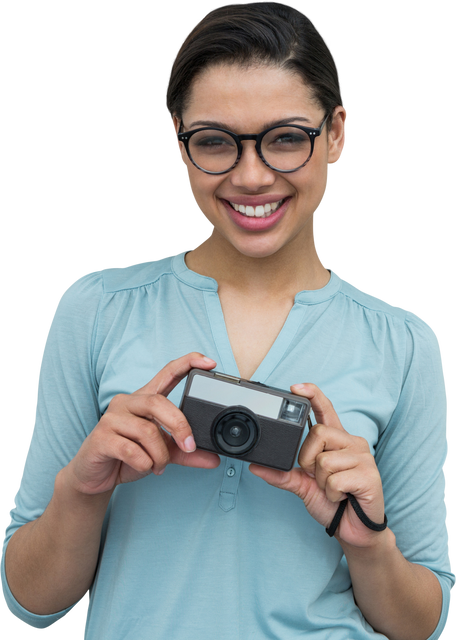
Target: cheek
(202, 195)
(203, 187)
(312, 184)
(191, 182)
(310, 191)
(324, 190)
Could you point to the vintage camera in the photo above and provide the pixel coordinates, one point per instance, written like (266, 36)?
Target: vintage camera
(243, 419)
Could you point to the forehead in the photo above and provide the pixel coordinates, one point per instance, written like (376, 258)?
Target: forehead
(246, 97)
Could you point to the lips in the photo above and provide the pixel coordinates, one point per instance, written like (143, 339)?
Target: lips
(259, 211)
(257, 201)
(250, 220)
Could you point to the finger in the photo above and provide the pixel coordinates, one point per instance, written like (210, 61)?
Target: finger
(145, 433)
(199, 458)
(331, 462)
(367, 492)
(321, 406)
(132, 453)
(162, 411)
(119, 441)
(170, 376)
(322, 438)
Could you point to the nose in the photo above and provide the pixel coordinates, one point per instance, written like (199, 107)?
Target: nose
(250, 172)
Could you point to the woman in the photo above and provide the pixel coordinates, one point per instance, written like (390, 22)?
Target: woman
(217, 547)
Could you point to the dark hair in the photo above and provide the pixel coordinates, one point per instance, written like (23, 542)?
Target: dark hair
(256, 33)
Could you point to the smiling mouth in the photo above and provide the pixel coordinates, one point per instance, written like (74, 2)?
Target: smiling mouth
(261, 211)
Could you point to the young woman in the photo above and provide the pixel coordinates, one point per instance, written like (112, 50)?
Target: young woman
(182, 543)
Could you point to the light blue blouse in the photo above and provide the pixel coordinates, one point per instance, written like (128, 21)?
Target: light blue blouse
(203, 554)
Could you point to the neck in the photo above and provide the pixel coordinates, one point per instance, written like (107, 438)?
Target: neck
(293, 268)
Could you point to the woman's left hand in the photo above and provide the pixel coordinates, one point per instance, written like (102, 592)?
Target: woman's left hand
(332, 463)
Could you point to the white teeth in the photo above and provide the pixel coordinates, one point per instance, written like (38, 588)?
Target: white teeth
(260, 211)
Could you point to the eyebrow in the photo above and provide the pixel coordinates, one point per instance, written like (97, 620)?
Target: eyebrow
(268, 125)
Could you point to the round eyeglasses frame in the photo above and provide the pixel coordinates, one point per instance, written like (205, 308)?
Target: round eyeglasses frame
(184, 136)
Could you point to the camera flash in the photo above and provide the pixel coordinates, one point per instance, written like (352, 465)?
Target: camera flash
(291, 411)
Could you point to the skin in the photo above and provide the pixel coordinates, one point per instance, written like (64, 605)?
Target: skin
(280, 261)
(398, 598)
(245, 100)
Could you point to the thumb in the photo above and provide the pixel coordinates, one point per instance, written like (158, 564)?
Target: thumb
(171, 374)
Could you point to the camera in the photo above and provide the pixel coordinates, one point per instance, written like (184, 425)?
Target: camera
(244, 419)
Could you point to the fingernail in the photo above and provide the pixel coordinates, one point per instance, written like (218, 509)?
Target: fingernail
(161, 472)
(189, 444)
(209, 360)
(301, 385)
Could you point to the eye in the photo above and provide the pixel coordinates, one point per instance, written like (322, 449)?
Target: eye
(289, 139)
(286, 140)
(211, 141)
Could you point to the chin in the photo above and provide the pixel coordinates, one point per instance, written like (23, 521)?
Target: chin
(257, 249)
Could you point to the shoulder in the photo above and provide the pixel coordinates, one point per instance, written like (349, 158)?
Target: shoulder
(363, 300)
(382, 317)
(90, 306)
(366, 301)
(136, 276)
(94, 285)
(83, 301)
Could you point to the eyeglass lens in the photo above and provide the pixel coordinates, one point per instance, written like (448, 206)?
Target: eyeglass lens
(283, 148)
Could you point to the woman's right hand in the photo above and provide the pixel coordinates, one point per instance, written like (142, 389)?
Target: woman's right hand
(128, 443)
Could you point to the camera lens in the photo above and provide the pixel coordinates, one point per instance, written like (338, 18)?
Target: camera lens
(235, 430)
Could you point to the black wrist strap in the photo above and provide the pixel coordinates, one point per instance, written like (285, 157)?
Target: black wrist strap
(331, 530)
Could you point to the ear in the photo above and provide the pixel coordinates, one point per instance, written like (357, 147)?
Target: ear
(336, 135)
(176, 124)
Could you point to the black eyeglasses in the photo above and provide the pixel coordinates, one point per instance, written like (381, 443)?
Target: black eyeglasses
(284, 148)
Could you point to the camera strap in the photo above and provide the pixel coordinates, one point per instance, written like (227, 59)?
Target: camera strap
(331, 530)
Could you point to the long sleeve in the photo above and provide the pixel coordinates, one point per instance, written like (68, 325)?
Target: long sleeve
(410, 456)
(65, 411)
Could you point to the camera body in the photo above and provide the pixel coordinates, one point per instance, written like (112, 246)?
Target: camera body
(243, 419)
